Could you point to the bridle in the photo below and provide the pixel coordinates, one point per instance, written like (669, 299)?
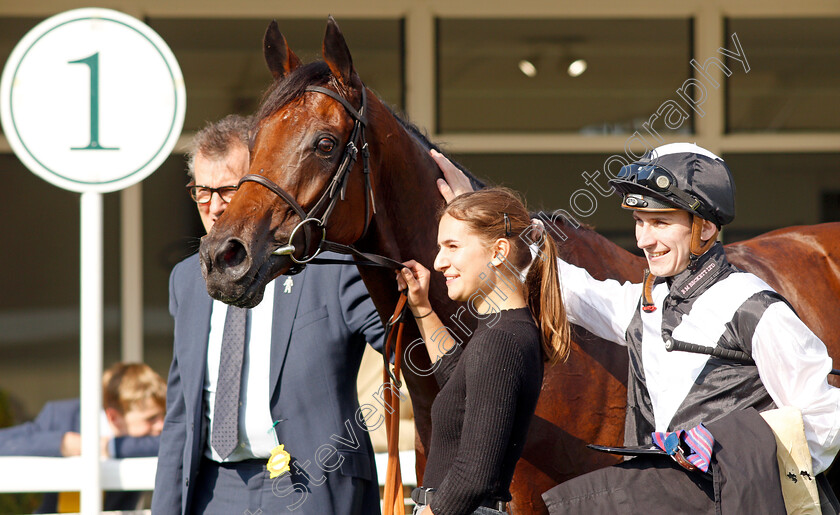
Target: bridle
(393, 495)
(318, 216)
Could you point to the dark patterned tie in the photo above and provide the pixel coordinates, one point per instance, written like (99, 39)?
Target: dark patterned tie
(225, 434)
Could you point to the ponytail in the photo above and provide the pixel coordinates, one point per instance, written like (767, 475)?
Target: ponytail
(545, 299)
(495, 213)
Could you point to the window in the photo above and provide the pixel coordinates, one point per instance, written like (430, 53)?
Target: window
(779, 190)
(794, 77)
(830, 206)
(11, 32)
(632, 67)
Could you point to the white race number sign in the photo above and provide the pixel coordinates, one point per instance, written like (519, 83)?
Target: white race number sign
(92, 100)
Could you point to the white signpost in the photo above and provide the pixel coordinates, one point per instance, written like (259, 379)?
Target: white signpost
(93, 101)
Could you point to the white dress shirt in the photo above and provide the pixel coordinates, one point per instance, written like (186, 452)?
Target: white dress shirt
(792, 361)
(256, 433)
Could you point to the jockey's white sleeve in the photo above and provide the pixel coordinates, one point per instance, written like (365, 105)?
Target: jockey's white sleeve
(604, 308)
(793, 364)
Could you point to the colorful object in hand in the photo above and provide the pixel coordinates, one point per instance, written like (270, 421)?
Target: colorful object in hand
(279, 461)
(699, 440)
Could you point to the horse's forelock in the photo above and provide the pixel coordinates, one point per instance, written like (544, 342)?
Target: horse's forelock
(284, 90)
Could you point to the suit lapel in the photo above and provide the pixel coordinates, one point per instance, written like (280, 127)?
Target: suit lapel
(285, 310)
(195, 335)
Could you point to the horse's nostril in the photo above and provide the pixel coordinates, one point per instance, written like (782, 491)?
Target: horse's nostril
(231, 255)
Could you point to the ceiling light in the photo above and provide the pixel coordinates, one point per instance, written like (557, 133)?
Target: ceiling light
(576, 67)
(528, 68)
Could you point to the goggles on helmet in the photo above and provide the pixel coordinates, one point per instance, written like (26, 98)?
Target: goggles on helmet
(659, 181)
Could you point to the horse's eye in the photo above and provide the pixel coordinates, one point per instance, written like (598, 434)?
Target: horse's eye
(326, 145)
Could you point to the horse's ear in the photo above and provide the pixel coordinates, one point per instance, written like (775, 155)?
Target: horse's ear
(278, 56)
(337, 55)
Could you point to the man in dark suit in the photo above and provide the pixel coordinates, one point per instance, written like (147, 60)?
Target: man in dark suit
(134, 400)
(303, 346)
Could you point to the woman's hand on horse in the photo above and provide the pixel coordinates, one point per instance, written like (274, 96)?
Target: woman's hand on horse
(455, 182)
(414, 278)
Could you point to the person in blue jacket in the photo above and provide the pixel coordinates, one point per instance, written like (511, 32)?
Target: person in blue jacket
(134, 401)
(301, 348)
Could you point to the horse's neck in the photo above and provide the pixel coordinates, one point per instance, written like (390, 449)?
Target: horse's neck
(407, 199)
(404, 227)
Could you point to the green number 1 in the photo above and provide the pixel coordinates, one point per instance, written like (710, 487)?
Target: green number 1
(93, 63)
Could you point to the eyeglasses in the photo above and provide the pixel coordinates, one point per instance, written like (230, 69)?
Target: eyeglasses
(203, 194)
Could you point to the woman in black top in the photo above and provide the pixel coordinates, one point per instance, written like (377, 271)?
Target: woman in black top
(489, 386)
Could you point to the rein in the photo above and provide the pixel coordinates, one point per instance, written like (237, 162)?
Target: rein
(394, 494)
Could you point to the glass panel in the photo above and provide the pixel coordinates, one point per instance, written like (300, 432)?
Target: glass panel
(633, 67)
(12, 29)
(830, 206)
(794, 78)
(224, 69)
(39, 311)
(555, 181)
(779, 190)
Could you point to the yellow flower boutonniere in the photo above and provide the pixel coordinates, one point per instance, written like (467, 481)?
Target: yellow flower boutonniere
(278, 462)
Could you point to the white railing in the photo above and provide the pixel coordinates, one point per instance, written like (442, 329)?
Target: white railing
(35, 474)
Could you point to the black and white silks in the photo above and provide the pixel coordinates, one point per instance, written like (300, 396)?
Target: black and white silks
(714, 305)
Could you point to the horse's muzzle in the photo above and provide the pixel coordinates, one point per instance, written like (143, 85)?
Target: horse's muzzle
(227, 268)
(230, 258)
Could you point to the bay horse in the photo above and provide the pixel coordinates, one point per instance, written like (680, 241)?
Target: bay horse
(384, 203)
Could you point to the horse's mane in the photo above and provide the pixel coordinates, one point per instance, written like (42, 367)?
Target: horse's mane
(477, 183)
(317, 73)
(423, 137)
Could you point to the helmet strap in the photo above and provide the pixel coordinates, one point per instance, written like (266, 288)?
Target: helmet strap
(697, 247)
(647, 292)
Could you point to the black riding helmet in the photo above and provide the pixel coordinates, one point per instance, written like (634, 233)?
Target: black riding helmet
(681, 176)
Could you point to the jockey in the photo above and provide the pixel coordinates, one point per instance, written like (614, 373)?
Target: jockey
(680, 196)
(694, 302)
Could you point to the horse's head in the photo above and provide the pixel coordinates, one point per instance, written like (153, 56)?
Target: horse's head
(303, 160)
